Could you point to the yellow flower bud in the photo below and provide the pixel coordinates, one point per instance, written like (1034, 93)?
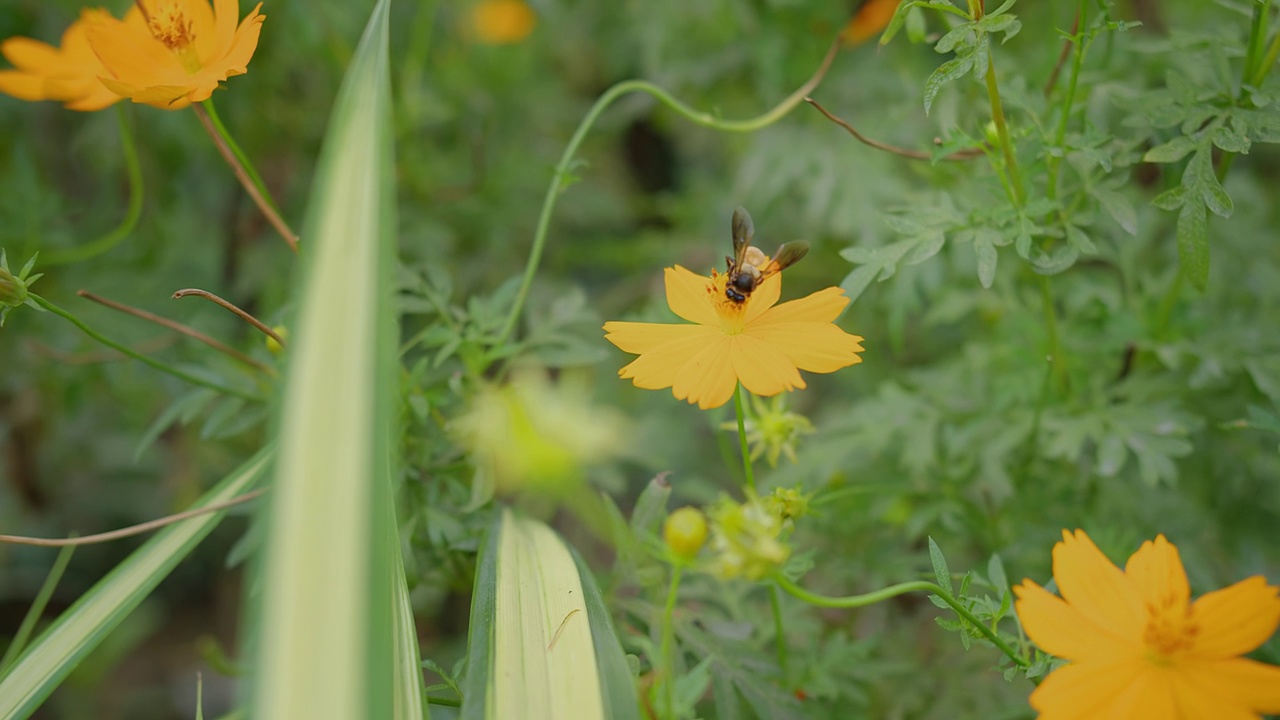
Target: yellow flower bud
(274, 347)
(685, 532)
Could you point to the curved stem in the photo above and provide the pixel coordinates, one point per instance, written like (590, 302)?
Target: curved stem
(742, 437)
(857, 601)
(134, 210)
(235, 310)
(181, 375)
(668, 641)
(179, 327)
(244, 171)
(561, 175)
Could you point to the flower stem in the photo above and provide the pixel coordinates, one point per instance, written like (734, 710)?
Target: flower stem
(1077, 41)
(742, 437)
(243, 170)
(668, 642)
(1056, 357)
(182, 375)
(34, 613)
(561, 177)
(775, 605)
(1002, 131)
(112, 238)
(857, 601)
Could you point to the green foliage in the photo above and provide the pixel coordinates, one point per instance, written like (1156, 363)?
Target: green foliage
(1067, 309)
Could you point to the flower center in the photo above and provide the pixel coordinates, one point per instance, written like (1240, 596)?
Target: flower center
(729, 312)
(170, 25)
(1170, 630)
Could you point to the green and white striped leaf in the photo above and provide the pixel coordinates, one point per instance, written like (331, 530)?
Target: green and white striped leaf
(79, 630)
(331, 625)
(541, 643)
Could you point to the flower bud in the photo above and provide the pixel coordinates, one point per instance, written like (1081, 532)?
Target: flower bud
(685, 532)
(274, 347)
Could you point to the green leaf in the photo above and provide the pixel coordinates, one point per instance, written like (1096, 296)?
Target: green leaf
(987, 259)
(1193, 244)
(541, 644)
(331, 619)
(91, 618)
(1172, 151)
(952, 69)
(940, 570)
(1230, 139)
(1118, 207)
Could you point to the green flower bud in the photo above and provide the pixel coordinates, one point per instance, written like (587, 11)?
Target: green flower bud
(685, 532)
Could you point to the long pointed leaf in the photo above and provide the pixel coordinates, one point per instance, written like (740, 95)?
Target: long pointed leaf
(106, 605)
(324, 634)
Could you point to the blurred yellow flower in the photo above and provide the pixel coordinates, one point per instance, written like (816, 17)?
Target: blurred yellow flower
(753, 342)
(502, 22)
(1137, 647)
(748, 539)
(68, 74)
(169, 53)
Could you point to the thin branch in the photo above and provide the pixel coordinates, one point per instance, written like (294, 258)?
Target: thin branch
(179, 327)
(132, 529)
(1062, 56)
(241, 313)
(242, 175)
(902, 152)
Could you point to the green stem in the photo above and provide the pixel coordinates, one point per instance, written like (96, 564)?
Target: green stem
(668, 642)
(1257, 36)
(249, 169)
(37, 608)
(1002, 130)
(194, 380)
(1055, 161)
(857, 601)
(1268, 61)
(108, 241)
(561, 175)
(1167, 304)
(1056, 357)
(742, 437)
(775, 605)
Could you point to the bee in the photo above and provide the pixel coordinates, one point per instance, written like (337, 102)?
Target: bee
(749, 266)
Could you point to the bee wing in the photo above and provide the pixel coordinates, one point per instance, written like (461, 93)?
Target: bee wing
(743, 231)
(789, 254)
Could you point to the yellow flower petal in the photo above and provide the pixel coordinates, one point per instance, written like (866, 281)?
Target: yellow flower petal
(1097, 588)
(658, 368)
(1092, 691)
(823, 306)
(707, 378)
(1251, 685)
(812, 346)
(687, 296)
(1236, 619)
(639, 338)
(68, 73)
(181, 55)
(763, 298)
(1156, 572)
(763, 368)
(1060, 629)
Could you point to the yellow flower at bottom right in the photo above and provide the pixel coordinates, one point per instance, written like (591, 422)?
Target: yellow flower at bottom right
(1138, 648)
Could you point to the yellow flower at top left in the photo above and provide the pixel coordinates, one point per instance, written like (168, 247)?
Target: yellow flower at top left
(68, 74)
(179, 52)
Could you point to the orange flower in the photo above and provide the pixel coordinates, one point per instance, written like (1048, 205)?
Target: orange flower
(762, 346)
(177, 51)
(1138, 648)
(68, 74)
(502, 22)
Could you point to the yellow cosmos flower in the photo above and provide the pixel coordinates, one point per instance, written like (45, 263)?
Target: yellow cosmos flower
(502, 22)
(756, 342)
(176, 51)
(68, 74)
(1139, 648)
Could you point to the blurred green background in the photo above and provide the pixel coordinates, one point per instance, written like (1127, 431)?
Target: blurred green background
(1161, 426)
